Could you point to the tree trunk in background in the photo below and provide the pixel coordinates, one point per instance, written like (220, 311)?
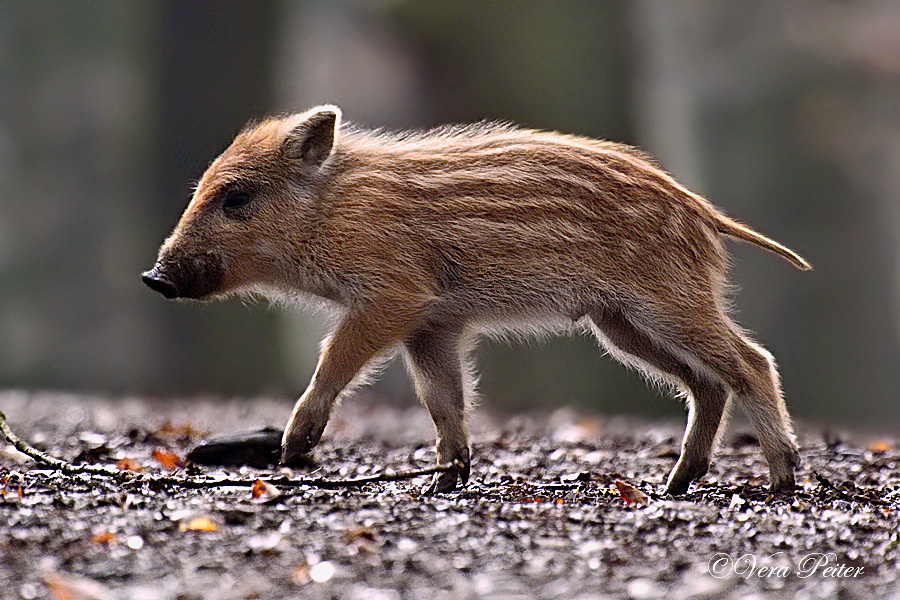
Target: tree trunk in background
(73, 143)
(771, 99)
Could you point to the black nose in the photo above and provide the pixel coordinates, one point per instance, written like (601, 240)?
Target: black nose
(158, 282)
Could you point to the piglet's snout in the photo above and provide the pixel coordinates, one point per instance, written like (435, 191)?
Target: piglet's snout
(196, 277)
(158, 281)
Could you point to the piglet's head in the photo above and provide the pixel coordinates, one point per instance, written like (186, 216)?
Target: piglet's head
(250, 210)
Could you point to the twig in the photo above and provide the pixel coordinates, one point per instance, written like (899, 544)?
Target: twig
(60, 465)
(163, 481)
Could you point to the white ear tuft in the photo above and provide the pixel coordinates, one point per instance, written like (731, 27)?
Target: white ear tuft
(326, 108)
(312, 139)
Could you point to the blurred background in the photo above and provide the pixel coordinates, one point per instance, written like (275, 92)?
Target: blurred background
(786, 115)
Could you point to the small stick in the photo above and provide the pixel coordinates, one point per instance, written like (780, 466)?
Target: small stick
(60, 465)
(285, 482)
(158, 481)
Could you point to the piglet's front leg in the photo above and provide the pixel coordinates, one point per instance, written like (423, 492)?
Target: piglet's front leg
(359, 337)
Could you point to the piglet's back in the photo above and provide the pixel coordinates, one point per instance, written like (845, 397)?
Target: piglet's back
(499, 203)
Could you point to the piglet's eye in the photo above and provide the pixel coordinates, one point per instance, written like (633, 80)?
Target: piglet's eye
(235, 199)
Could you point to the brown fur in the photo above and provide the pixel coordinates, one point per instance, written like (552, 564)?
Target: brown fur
(426, 240)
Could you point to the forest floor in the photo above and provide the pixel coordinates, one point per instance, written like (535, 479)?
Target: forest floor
(540, 518)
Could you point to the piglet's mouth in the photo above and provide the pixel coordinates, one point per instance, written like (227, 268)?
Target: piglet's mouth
(195, 278)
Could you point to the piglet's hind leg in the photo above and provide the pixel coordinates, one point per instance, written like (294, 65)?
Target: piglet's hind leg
(433, 355)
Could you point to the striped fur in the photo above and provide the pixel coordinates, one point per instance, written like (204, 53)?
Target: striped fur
(426, 240)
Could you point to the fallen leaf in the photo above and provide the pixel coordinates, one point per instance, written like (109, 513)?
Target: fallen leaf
(185, 430)
(362, 531)
(361, 540)
(20, 492)
(128, 464)
(104, 537)
(261, 488)
(579, 431)
(300, 575)
(69, 587)
(631, 494)
(880, 446)
(168, 460)
(201, 523)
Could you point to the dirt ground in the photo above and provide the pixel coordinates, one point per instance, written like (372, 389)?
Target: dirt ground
(540, 518)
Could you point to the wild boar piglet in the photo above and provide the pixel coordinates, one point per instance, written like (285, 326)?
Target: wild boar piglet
(424, 241)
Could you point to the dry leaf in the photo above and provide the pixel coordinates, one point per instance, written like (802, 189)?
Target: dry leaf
(583, 429)
(186, 430)
(362, 540)
(630, 493)
(261, 488)
(300, 575)
(20, 492)
(104, 537)
(202, 523)
(880, 446)
(257, 489)
(128, 464)
(168, 460)
(362, 531)
(70, 587)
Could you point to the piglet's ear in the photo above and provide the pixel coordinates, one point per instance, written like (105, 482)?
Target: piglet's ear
(312, 140)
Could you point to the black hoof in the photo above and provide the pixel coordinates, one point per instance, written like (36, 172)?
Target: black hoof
(678, 488)
(446, 481)
(441, 483)
(678, 484)
(786, 486)
(294, 450)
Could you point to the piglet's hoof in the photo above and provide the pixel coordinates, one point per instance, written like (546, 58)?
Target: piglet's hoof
(295, 447)
(446, 481)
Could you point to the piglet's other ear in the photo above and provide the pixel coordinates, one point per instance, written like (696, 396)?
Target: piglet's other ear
(311, 141)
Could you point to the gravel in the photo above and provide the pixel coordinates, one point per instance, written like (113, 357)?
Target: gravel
(540, 518)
